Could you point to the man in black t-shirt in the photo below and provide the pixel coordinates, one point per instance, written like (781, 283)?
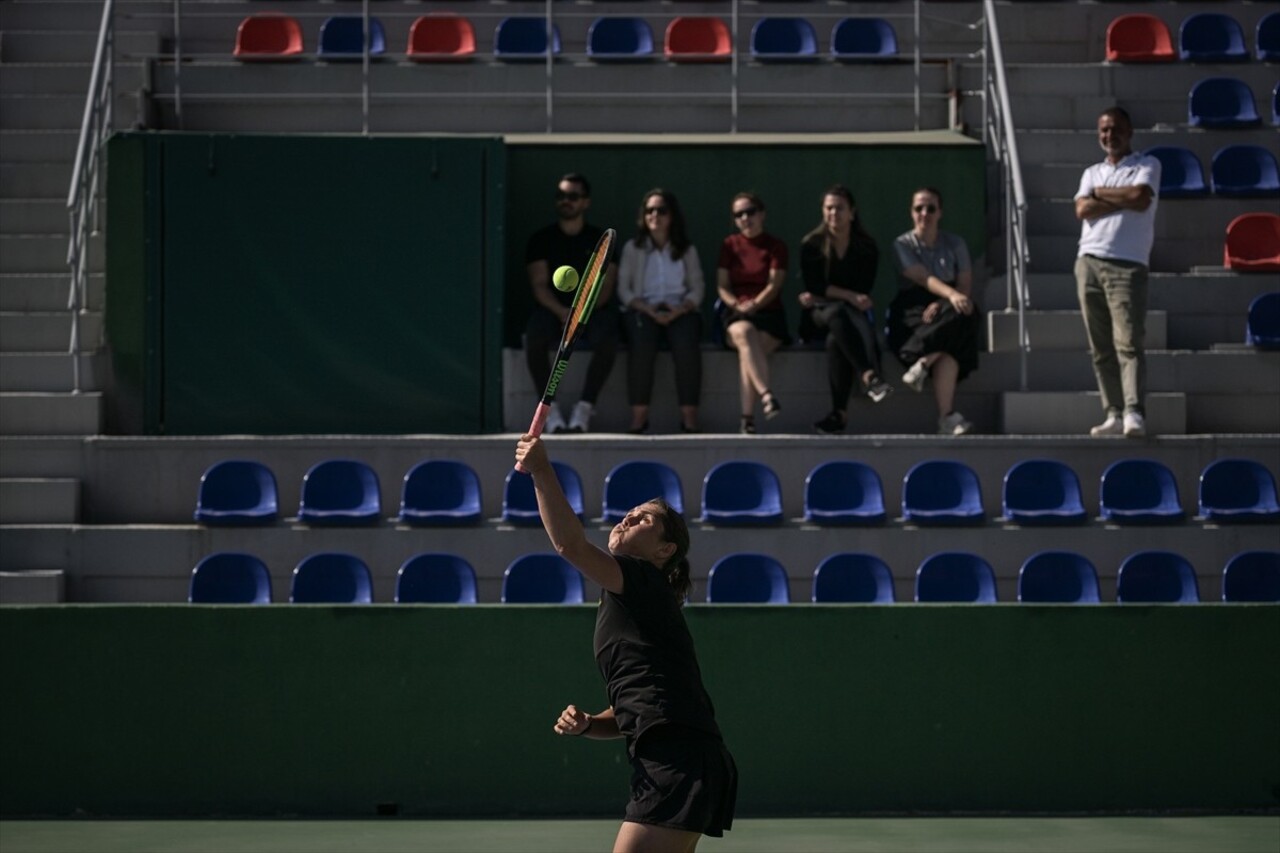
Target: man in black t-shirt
(569, 241)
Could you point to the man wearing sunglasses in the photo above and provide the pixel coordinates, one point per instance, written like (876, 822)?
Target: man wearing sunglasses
(569, 241)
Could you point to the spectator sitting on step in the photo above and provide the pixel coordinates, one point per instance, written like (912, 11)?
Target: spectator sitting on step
(749, 277)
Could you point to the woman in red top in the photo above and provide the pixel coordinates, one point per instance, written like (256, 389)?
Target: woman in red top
(749, 278)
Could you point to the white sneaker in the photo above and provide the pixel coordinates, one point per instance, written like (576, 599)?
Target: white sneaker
(954, 424)
(580, 420)
(915, 377)
(555, 421)
(1113, 425)
(1134, 425)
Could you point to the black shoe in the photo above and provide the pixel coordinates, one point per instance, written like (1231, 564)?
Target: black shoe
(832, 424)
(748, 426)
(640, 430)
(690, 429)
(772, 407)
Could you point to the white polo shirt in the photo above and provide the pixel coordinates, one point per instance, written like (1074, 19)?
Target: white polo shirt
(1125, 235)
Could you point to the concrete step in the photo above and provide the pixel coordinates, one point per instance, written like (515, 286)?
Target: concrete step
(50, 414)
(1073, 413)
(46, 78)
(33, 586)
(1059, 330)
(41, 112)
(28, 457)
(35, 180)
(45, 253)
(1079, 145)
(75, 14)
(47, 331)
(48, 371)
(73, 45)
(39, 501)
(25, 292)
(34, 215)
(1057, 252)
(39, 146)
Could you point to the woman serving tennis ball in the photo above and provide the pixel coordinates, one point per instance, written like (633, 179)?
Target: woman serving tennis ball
(683, 782)
(565, 279)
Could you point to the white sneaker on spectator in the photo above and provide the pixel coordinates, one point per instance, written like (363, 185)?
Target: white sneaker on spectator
(954, 424)
(1113, 425)
(1134, 425)
(555, 421)
(580, 420)
(914, 377)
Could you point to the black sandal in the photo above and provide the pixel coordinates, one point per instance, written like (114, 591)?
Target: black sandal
(772, 408)
(748, 426)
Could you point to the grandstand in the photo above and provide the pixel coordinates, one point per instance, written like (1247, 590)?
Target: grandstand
(304, 253)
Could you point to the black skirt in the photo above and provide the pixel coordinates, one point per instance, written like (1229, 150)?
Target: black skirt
(770, 322)
(911, 338)
(683, 779)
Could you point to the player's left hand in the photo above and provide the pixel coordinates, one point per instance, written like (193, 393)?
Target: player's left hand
(531, 454)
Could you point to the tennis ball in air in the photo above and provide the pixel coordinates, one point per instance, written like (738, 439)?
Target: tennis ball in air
(565, 278)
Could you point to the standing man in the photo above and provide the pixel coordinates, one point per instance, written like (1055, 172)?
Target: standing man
(1116, 205)
(569, 241)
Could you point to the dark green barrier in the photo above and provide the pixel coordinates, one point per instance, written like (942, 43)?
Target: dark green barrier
(180, 710)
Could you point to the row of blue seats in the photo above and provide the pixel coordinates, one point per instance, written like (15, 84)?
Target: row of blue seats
(1235, 170)
(443, 492)
(744, 578)
(1227, 102)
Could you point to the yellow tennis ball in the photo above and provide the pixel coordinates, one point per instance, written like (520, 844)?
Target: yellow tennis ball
(565, 278)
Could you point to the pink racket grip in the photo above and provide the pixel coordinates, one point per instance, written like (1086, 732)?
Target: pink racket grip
(536, 427)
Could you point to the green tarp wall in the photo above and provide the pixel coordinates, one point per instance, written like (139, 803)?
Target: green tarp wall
(322, 710)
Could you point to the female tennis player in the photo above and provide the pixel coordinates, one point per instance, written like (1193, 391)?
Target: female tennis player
(684, 783)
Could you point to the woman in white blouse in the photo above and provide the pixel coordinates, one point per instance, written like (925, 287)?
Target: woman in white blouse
(660, 287)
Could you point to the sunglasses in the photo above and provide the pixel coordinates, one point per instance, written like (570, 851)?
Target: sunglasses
(746, 211)
(561, 195)
(925, 208)
(660, 211)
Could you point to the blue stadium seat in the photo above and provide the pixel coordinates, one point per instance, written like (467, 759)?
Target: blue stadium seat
(230, 578)
(543, 578)
(1237, 490)
(436, 578)
(1252, 576)
(520, 503)
(1150, 577)
(942, 492)
(1245, 170)
(956, 576)
(340, 492)
(1262, 326)
(747, 579)
(620, 39)
(783, 40)
(635, 481)
(1211, 37)
(1060, 577)
(1181, 175)
(1139, 491)
(1221, 102)
(237, 492)
(1042, 492)
(342, 37)
(524, 38)
(863, 40)
(741, 493)
(853, 578)
(1267, 38)
(843, 492)
(441, 493)
(331, 578)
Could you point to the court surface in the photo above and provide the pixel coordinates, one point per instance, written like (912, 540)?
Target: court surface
(1235, 834)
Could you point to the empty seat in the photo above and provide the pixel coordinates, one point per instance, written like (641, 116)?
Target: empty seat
(1221, 102)
(1275, 104)
(863, 39)
(519, 38)
(1252, 576)
(1139, 491)
(1245, 170)
(441, 37)
(441, 493)
(956, 576)
(619, 39)
(544, 578)
(1181, 175)
(1267, 38)
(1139, 38)
(230, 578)
(435, 578)
(331, 578)
(340, 492)
(783, 40)
(853, 578)
(741, 493)
(342, 37)
(635, 481)
(1252, 243)
(843, 492)
(1151, 577)
(1211, 37)
(520, 502)
(267, 35)
(697, 39)
(1262, 326)
(237, 492)
(1238, 490)
(1060, 577)
(747, 579)
(1042, 492)
(942, 492)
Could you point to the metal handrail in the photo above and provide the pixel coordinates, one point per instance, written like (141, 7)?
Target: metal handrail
(86, 180)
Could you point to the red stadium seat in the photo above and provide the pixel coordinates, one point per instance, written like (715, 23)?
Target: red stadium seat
(268, 35)
(698, 39)
(441, 38)
(1139, 38)
(1253, 243)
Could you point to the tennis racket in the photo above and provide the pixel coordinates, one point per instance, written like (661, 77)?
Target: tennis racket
(579, 313)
